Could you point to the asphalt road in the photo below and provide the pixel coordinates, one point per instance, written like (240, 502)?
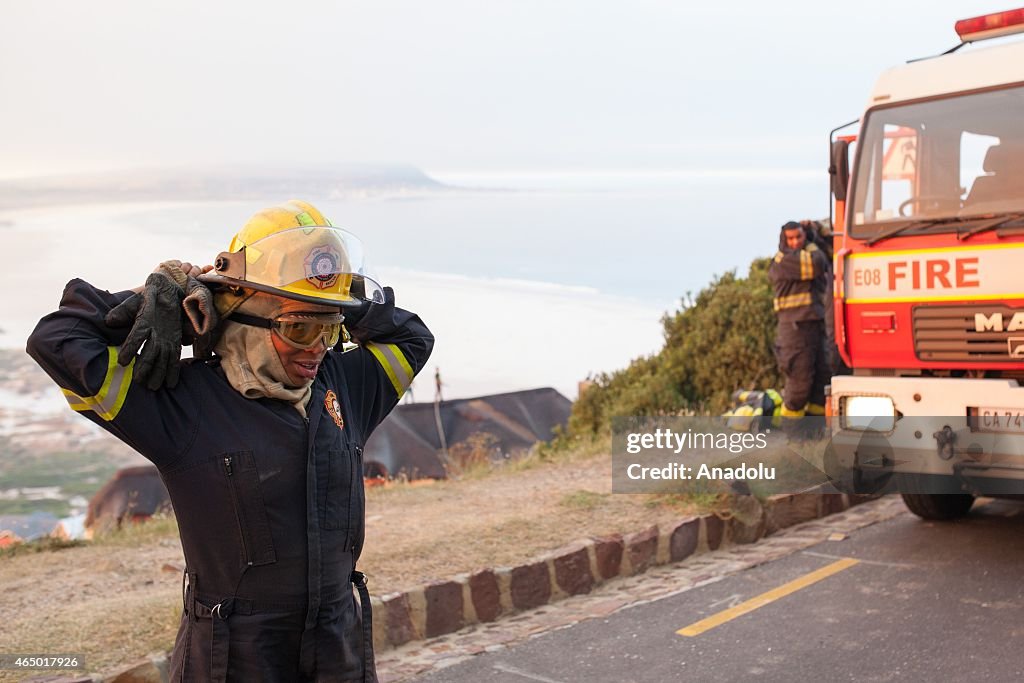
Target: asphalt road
(901, 600)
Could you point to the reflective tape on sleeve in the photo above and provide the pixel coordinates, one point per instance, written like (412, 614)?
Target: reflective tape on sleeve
(395, 365)
(806, 266)
(108, 401)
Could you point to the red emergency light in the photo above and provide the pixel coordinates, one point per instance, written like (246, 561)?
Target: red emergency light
(991, 25)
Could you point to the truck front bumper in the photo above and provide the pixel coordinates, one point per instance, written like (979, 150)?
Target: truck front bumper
(968, 429)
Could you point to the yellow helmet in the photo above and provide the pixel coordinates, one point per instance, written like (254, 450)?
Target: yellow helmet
(291, 250)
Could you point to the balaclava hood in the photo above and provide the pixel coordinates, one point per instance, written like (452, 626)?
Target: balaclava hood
(247, 353)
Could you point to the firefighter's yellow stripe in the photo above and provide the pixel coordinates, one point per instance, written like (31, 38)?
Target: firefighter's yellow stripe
(781, 303)
(108, 401)
(395, 365)
(815, 409)
(806, 266)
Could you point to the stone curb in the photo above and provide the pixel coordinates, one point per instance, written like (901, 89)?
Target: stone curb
(490, 594)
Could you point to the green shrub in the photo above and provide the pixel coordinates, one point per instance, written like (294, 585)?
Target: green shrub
(717, 342)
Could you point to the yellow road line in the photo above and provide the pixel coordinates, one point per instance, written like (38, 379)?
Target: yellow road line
(763, 599)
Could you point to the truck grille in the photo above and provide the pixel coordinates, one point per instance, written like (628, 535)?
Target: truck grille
(950, 333)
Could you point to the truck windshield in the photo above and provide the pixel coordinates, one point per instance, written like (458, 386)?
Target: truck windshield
(927, 165)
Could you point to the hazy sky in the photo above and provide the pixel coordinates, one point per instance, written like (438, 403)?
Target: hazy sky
(447, 84)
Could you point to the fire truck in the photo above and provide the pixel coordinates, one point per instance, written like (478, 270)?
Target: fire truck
(929, 275)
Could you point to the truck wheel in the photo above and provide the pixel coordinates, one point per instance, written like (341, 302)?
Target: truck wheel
(938, 505)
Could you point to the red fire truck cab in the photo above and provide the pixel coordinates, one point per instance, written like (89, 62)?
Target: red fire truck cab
(929, 275)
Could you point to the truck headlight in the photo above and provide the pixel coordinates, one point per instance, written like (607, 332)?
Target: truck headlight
(869, 413)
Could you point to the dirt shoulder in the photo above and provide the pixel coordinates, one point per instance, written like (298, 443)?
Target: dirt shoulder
(118, 601)
(418, 534)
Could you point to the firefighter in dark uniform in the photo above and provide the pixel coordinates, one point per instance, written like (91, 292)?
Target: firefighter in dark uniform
(259, 439)
(820, 232)
(799, 276)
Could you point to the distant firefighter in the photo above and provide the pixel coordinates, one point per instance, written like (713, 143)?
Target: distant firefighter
(799, 276)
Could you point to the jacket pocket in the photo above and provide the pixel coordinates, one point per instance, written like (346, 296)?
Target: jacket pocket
(250, 512)
(342, 475)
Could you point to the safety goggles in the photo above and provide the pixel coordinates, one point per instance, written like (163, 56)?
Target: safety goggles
(298, 330)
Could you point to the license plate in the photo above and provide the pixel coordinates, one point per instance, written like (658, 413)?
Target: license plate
(1000, 420)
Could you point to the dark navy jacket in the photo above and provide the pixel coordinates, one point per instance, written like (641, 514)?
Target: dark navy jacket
(270, 505)
(800, 280)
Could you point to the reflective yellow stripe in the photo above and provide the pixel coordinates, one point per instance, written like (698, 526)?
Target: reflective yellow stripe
(949, 297)
(108, 401)
(778, 257)
(777, 413)
(806, 266)
(792, 301)
(786, 412)
(395, 365)
(934, 250)
(815, 409)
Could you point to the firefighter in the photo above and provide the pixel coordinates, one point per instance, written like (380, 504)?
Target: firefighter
(799, 276)
(259, 439)
(820, 232)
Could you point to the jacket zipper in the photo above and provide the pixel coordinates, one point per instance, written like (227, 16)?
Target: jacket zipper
(234, 502)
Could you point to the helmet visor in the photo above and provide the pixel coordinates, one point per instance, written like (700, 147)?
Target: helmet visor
(313, 262)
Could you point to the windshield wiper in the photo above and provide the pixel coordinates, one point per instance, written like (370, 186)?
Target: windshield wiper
(913, 225)
(989, 225)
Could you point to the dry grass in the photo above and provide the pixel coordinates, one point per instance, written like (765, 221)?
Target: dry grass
(115, 601)
(418, 534)
(111, 602)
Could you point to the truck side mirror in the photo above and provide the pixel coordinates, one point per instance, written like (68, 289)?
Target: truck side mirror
(839, 168)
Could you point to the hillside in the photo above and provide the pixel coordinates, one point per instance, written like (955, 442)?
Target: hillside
(214, 183)
(50, 458)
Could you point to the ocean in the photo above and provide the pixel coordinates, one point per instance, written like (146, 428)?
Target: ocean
(544, 282)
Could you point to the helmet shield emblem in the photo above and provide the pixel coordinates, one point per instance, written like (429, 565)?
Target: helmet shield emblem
(322, 267)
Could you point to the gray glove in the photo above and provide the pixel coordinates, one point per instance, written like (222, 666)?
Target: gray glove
(202, 320)
(156, 320)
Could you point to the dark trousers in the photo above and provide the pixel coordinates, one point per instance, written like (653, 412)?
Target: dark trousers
(800, 352)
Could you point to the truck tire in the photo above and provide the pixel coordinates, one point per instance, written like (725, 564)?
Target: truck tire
(940, 506)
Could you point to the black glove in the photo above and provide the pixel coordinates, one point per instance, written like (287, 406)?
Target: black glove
(359, 320)
(155, 317)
